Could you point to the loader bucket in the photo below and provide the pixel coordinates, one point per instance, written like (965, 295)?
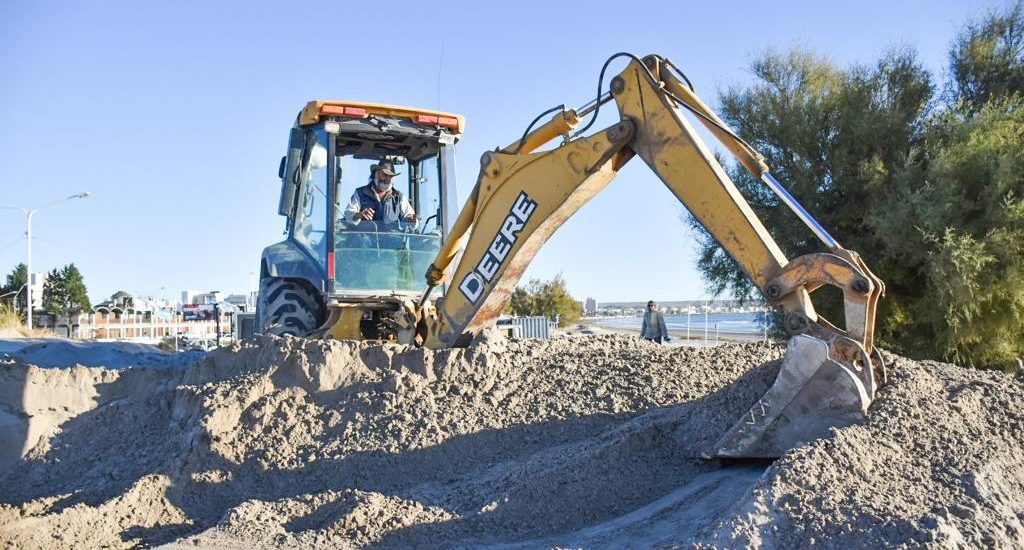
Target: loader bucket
(812, 394)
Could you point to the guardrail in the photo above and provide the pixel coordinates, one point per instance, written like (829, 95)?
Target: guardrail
(527, 327)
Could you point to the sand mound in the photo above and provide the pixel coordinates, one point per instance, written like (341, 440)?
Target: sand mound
(939, 462)
(60, 353)
(585, 442)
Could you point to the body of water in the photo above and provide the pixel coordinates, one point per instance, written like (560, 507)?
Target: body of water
(725, 323)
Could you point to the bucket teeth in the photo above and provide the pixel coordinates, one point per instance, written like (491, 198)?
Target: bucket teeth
(812, 394)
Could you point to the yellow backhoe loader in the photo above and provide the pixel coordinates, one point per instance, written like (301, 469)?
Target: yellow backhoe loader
(829, 375)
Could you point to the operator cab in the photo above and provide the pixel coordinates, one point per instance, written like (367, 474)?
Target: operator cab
(331, 151)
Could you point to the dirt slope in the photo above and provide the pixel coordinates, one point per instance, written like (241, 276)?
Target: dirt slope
(587, 442)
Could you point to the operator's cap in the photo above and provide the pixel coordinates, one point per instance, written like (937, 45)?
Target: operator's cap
(386, 166)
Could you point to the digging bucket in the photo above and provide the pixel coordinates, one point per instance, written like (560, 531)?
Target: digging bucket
(812, 394)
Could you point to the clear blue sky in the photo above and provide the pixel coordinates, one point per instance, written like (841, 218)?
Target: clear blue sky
(175, 115)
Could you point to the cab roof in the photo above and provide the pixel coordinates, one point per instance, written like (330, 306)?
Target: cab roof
(317, 109)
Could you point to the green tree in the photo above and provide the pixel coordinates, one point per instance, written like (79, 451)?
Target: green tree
(521, 301)
(954, 219)
(16, 278)
(987, 59)
(64, 294)
(927, 189)
(834, 138)
(957, 224)
(547, 298)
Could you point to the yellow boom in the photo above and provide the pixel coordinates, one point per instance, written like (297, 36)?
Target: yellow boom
(829, 375)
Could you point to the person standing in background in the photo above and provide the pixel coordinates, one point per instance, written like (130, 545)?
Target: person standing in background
(653, 327)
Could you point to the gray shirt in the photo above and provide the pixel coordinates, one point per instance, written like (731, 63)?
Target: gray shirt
(653, 325)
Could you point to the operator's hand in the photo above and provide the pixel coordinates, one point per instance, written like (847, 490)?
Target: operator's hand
(366, 214)
(410, 218)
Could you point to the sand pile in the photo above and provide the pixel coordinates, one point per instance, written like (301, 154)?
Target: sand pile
(939, 462)
(55, 352)
(585, 442)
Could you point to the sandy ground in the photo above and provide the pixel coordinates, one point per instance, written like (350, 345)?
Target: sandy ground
(679, 337)
(62, 353)
(22, 332)
(589, 442)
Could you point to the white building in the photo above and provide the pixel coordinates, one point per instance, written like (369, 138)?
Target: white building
(197, 297)
(244, 302)
(38, 280)
(189, 296)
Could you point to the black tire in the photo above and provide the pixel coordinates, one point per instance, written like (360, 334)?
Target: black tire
(287, 306)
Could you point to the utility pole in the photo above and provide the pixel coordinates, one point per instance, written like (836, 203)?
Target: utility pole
(216, 317)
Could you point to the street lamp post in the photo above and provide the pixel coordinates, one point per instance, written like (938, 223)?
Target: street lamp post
(14, 300)
(706, 308)
(28, 238)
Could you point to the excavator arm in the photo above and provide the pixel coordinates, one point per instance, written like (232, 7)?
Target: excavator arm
(829, 375)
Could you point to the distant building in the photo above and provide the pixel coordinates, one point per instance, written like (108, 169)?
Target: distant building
(591, 307)
(38, 281)
(243, 302)
(124, 303)
(212, 297)
(188, 296)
